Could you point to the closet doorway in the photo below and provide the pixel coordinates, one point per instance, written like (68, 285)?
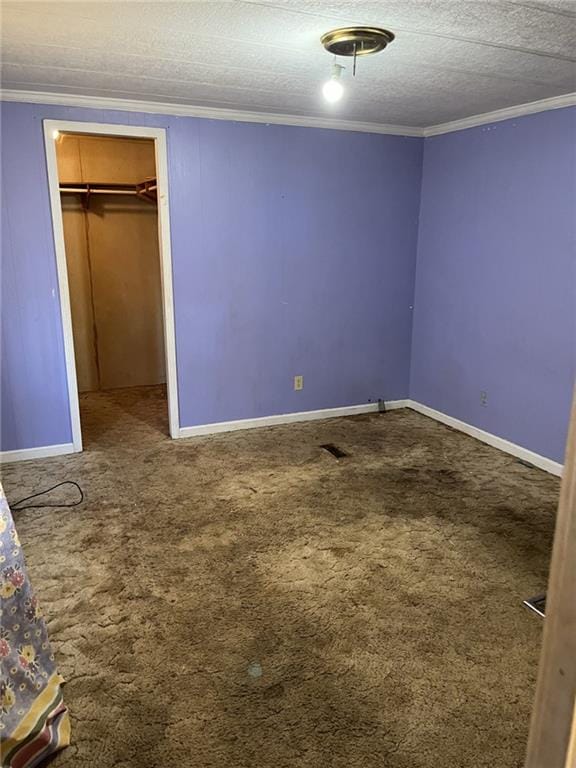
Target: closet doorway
(108, 190)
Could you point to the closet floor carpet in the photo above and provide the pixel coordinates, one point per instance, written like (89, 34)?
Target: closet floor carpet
(250, 601)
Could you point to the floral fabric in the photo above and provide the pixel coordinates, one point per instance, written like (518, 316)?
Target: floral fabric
(34, 722)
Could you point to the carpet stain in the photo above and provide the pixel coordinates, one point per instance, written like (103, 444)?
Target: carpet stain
(380, 595)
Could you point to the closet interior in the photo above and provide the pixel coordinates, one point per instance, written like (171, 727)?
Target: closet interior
(108, 197)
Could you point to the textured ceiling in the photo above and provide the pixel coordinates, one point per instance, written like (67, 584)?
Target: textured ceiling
(450, 59)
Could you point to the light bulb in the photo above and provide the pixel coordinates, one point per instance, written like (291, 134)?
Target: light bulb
(55, 134)
(332, 90)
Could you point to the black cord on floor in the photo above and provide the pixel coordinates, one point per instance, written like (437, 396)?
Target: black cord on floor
(16, 505)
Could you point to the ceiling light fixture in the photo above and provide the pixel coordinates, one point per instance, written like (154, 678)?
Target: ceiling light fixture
(351, 41)
(333, 88)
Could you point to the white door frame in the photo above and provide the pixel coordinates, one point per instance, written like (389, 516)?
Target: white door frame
(132, 131)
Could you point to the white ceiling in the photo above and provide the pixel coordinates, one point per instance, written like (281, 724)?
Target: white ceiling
(450, 59)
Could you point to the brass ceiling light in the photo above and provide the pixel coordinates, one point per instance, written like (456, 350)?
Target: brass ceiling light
(351, 42)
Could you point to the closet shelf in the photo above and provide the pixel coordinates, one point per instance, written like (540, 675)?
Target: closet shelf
(146, 189)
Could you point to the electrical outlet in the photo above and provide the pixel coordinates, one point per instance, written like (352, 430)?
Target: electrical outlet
(298, 382)
(484, 399)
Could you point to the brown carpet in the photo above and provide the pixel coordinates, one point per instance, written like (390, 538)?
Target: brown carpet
(378, 595)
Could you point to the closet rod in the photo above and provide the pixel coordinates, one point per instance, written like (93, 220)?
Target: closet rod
(83, 190)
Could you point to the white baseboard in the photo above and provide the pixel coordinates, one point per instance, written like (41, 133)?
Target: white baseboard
(42, 452)
(536, 459)
(487, 437)
(287, 418)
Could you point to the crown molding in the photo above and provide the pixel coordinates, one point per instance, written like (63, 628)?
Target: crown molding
(532, 107)
(211, 113)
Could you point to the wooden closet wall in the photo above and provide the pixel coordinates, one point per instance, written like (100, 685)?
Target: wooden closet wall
(113, 263)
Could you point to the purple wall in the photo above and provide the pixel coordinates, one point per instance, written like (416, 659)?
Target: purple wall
(34, 404)
(495, 302)
(293, 253)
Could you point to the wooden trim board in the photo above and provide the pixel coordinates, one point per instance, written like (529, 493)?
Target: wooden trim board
(218, 113)
(551, 743)
(42, 452)
(287, 418)
(542, 462)
(107, 129)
